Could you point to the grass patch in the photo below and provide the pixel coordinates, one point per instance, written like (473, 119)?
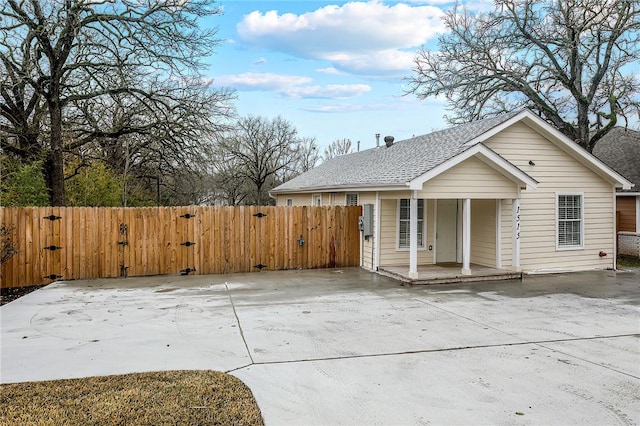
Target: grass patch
(168, 397)
(628, 262)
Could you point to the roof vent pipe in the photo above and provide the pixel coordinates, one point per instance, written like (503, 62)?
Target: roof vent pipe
(377, 140)
(388, 140)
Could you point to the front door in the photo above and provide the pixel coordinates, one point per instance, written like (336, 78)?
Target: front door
(446, 230)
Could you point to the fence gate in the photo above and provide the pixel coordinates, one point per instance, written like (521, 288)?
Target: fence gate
(53, 247)
(77, 242)
(123, 248)
(186, 222)
(260, 221)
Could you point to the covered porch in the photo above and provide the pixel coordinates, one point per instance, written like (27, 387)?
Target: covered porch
(447, 273)
(459, 222)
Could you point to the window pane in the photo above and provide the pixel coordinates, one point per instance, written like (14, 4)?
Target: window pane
(403, 235)
(404, 224)
(569, 220)
(404, 209)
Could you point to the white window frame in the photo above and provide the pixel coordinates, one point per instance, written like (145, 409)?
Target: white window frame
(424, 225)
(582, 236)
(314, 198)
(346, 198)
(289, 202)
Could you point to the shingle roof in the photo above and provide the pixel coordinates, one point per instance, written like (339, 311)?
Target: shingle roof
(395, 165)
(620, 150)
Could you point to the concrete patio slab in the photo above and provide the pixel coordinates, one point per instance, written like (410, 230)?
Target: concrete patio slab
(352, 347)
(101, 327)
(522, 384)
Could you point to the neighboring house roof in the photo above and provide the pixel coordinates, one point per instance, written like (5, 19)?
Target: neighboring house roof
(620, 150)
(395, 167)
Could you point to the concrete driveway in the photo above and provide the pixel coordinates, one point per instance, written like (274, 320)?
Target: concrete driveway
(350, 347)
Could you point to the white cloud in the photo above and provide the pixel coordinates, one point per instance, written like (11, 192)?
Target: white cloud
(329, 70)
(388, 60)
(430, 2)
(362, 37)
(331, 91)
(261, 81)
(260, 61)
(291, 86)
(469, 4)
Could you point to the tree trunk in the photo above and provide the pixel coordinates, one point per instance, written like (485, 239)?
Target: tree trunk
(583, 126)
(55, 158)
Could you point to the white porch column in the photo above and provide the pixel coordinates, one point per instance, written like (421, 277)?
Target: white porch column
(466, 236)
(413, 236)
(515, 234)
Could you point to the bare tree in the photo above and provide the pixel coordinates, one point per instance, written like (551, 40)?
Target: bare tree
(566, 60)
(261, 148)
(229, 184)
(77, 57)
(338, 147)
(308, 155)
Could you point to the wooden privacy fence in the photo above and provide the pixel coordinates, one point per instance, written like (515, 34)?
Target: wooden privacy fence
(88, 242)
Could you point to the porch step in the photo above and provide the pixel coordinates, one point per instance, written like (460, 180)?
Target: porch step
(449, 279)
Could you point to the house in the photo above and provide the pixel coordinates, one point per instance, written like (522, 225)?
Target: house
(509, 192)
(620, 150)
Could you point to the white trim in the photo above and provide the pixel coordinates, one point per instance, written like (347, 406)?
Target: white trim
(435, 230)
(615, 232)
(486, 155)
(459, 207)
(551, 133)
(376, 231)
(413, 235)
(466, 237)
(630, 194)
(499, 233)
(346, 188)
(315, 196)
(288, 202)
(638, 214)
(582, 207)
(515, 234)
(422, 247)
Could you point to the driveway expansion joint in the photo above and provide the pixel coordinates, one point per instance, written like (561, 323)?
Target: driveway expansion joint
(459, 348)
(235, 314)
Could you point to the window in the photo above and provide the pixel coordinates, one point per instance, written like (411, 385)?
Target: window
(317, 199)
(289, 202)
(351, 200)
(570, 220)
(404, 223)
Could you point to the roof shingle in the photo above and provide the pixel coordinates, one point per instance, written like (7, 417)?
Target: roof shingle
(395, 165)
(620, 150)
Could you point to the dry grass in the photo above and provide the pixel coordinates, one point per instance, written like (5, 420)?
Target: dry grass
(170, 397)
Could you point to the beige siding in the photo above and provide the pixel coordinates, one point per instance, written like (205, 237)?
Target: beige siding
(556, 171)
(483, 232)
(470, 179)
(298, 199)
(389, 253)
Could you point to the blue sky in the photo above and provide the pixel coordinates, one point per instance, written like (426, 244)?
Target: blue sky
(332, 68)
